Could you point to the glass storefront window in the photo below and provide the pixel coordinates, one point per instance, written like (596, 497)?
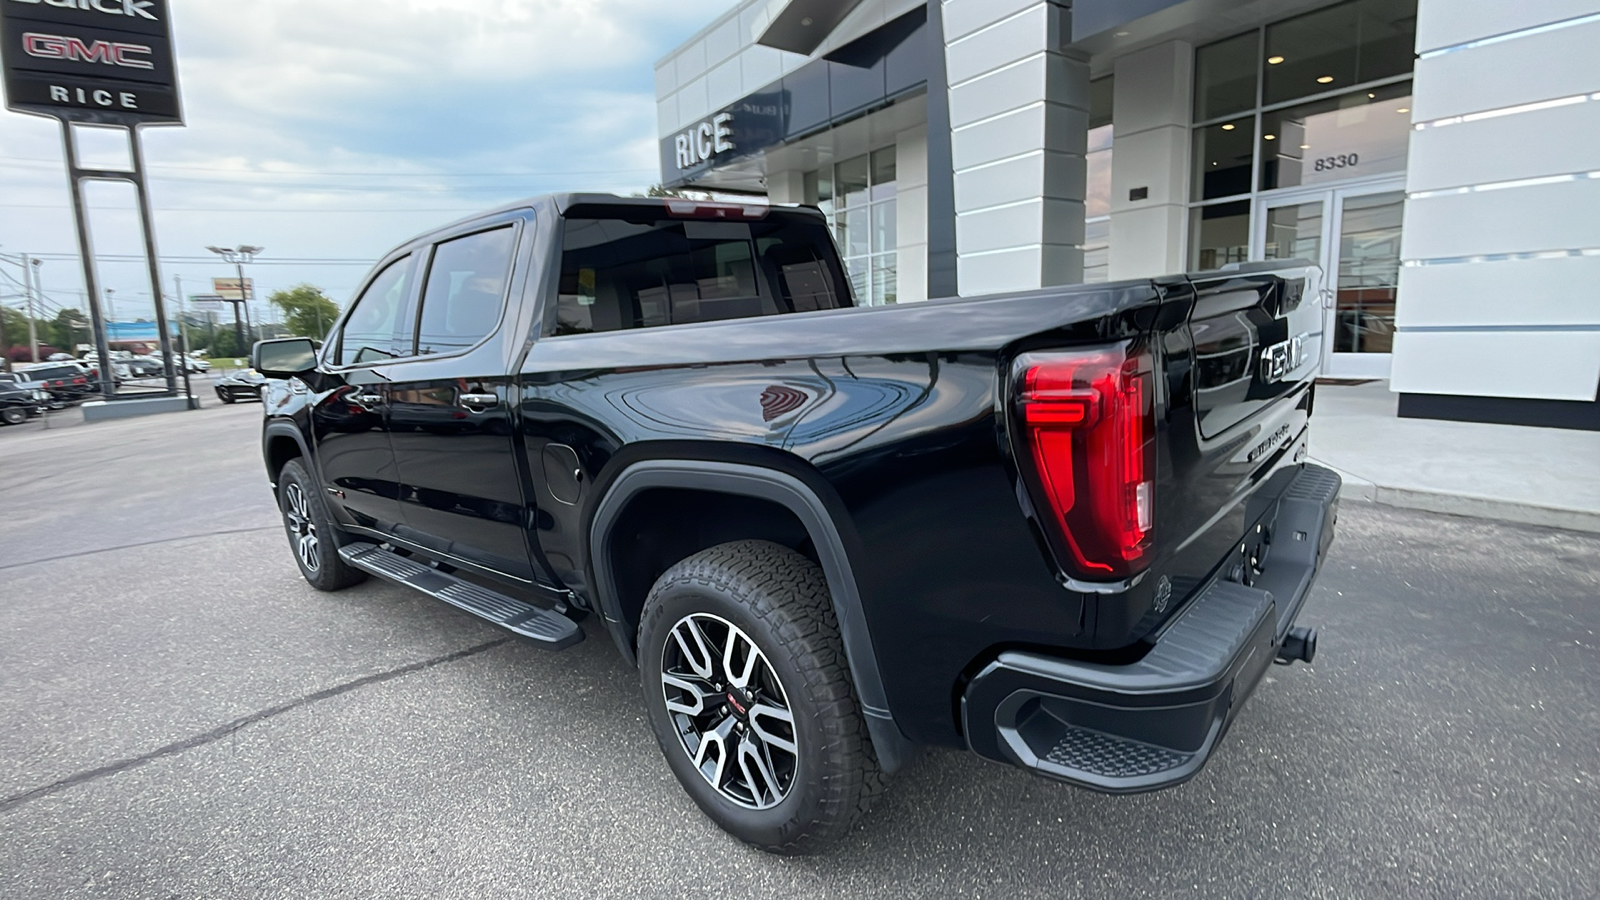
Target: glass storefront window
(1344, 45)
(850, 181)
(1221, 234)
(1358, 134)
(1225, 77)
(858, 196)
(1295, 232)
(818, 188)
(883, 170)
(1369, 273)
(1221, 159)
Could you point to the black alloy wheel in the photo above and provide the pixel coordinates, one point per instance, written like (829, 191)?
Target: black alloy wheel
(749, 694)
(313, 536)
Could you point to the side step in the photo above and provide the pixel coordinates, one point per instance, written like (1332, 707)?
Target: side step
(549, 630)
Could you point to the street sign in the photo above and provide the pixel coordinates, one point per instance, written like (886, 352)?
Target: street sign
(206, 301)
(228, 288)
(106, 61)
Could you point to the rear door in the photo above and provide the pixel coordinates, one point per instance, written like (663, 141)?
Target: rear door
(451, 405)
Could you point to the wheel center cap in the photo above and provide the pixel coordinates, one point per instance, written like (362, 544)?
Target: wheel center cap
(738, 704)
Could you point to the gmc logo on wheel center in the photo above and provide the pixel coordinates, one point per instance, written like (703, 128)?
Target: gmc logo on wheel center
(55, 46)
(138, 8)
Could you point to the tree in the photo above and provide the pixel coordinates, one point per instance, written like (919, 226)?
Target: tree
(69, 328)
(306, 310)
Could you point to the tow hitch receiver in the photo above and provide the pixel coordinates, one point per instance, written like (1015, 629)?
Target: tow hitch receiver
(1299, 645)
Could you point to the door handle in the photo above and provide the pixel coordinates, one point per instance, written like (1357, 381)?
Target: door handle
(367, 401)
(479, 402)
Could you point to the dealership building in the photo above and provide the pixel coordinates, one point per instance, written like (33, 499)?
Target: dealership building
(1440, 159)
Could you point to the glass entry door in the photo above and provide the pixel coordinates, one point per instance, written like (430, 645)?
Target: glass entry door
(1354, 234)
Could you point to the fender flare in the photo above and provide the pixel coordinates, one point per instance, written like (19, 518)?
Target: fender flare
(276, 428)
(787, 491)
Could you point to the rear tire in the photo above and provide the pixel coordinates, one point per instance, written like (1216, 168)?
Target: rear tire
(224, 396)
(313, 537)
(763, 730)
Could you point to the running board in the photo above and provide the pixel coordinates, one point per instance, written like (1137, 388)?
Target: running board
(548, 629)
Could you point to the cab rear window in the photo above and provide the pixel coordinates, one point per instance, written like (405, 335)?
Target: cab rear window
(637, 267)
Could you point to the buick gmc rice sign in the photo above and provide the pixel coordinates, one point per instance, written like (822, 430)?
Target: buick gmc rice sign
(90, 59)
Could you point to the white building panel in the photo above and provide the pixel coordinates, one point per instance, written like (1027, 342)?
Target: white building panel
(1540, 292)
(1031, 128)
(723, 41)
(1528, 219)
(963, 17)
(1446, 23)
(1555, 141)
(998, 45)
(760, 66)
(691, 62)
(666, 79)
(1525, 69)
(1543, 365)
(724, 84)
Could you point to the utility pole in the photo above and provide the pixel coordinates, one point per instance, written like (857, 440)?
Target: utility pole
(30, 275)
(183, 312)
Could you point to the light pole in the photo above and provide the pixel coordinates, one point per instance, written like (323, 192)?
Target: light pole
(111, 312)
(239, 256)
(30, 280)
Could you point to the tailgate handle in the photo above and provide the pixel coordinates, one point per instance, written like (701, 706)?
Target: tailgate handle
(479, 402)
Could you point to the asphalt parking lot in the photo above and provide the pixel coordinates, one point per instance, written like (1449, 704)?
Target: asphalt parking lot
(182, 716)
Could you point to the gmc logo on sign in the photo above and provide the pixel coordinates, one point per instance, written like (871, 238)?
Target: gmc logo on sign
(55, 46)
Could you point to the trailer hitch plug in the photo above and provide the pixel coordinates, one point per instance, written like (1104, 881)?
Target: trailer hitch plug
(1299, 645)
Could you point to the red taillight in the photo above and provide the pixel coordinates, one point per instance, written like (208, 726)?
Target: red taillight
(80, 380)
(1087, 420)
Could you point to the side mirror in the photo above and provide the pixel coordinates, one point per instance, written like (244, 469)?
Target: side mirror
(285, 357)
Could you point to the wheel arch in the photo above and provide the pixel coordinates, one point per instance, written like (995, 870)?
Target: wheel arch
(807, 506)
(281, 441)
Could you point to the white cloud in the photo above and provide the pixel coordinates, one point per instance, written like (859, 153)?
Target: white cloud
(422, 95)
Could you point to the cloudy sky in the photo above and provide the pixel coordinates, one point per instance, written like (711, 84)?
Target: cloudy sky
(328, 131)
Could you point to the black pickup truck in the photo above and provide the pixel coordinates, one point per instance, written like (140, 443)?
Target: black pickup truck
(1067, 529)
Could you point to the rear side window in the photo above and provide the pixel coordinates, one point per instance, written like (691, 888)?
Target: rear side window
(635, 267)
(51, 372)
(369, 332)
(465, 291)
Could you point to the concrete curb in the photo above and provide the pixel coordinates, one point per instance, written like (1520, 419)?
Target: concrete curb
(1360, 490)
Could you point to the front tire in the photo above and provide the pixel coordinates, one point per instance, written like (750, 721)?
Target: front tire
(12, 415)
(749, 694)
(313, 537)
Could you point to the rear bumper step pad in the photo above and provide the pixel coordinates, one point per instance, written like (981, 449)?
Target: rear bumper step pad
(1153, 723)
(545, 628)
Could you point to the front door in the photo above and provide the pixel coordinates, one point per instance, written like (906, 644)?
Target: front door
(350, 424)
(1354, 234)
(451, 406)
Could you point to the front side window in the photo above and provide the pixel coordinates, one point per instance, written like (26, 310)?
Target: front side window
(369, 332)
(465, 291)
(630, 267)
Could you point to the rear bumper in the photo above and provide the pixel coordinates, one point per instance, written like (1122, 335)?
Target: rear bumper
(1154, 723)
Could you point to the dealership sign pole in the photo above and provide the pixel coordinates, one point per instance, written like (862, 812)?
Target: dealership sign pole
(104, 63)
